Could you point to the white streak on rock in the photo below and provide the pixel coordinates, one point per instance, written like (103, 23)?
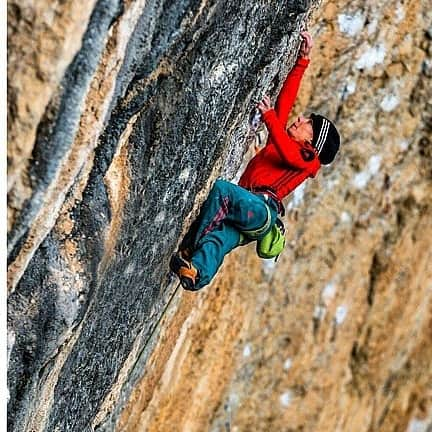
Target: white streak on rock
(288, 364)
(160, 217)
(184, 175)
(372, 26)
(350, 87)
(234, 399)
(362, 179)
(351, 24)
(417, 425)
(10, 343)
(390, 102)
(340, 315)
(403, 145)
(218, 72)
(400, 13)
(222, 73)
(130, 268)
(319, 312)
(297, 197)
(374, 164)
(371, 57)
(286, 398)
(346, 217)
(329, 292)
(247, 351)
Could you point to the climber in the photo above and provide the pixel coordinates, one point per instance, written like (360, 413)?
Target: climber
(234, 215)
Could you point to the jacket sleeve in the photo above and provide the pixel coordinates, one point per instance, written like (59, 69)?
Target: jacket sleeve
(288, 93)
(293, 153)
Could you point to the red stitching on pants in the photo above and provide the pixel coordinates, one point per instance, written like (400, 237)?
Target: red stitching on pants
(220, 215)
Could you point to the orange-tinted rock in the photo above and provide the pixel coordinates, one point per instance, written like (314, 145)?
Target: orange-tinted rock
(335, 336)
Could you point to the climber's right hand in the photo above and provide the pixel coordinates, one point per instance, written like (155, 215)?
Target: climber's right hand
(265, 105)
(306, 44)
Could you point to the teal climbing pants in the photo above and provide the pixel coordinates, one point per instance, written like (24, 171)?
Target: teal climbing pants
(229, 215)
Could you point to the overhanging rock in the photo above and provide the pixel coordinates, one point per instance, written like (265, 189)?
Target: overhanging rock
(153, 107)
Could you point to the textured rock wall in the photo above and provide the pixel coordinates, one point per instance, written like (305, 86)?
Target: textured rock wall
(337, 335)
(121, 113)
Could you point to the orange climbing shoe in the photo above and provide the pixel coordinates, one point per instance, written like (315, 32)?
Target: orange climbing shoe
(184, 269)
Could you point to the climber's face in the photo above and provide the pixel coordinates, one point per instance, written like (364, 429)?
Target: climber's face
(301, 130)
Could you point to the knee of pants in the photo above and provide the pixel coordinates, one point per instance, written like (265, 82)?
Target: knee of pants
(220, 186)
(250, 213)
(216, 190)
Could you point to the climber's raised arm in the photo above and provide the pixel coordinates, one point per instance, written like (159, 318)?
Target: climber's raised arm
(288, 93)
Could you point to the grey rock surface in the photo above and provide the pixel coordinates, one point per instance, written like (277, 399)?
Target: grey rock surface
(178, 114)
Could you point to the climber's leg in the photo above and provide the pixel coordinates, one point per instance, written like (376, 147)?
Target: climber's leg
(211, 250)
(228, 211)
(233, 205)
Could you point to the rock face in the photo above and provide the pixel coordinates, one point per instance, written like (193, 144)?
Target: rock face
(121, 114)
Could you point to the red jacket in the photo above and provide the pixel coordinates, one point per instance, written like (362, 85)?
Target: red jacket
(283, 163)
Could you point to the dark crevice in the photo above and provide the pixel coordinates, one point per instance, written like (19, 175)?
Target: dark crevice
(374, 273)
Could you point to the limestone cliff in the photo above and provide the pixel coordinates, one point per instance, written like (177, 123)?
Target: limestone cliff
(120, 116)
